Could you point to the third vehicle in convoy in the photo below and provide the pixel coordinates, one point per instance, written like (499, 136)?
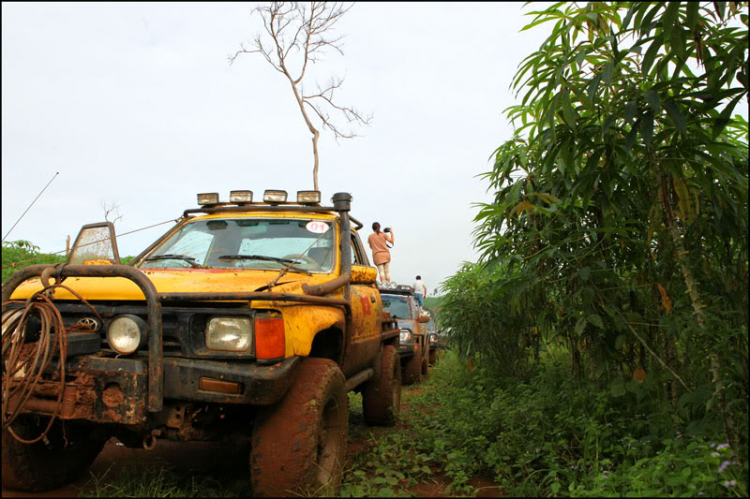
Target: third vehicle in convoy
(434, 341)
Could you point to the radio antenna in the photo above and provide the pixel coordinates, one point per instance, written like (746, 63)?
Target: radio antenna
(32, 204)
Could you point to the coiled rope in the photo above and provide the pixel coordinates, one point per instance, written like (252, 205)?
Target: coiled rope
(25, 361)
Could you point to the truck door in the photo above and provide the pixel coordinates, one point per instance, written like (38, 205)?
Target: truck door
(367, 309)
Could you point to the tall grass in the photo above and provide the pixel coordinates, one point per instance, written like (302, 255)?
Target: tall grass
(160, 480)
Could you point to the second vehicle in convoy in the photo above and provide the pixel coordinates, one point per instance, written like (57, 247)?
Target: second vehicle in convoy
(414, 346)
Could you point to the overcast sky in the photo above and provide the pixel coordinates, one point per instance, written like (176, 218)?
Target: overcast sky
(136, 104)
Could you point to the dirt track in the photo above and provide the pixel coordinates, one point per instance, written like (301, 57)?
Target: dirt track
(230, 464)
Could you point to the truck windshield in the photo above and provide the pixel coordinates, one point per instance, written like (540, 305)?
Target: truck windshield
(248, 243)
(398, 306)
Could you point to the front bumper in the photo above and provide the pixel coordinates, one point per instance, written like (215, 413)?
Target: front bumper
(407, 349)
(155, 377)
(115, 390)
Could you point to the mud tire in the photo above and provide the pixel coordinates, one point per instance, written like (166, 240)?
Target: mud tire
(433, 357)
(413, 369)
(426, 365)
(299, 444)
(381, 398)
(44, 466)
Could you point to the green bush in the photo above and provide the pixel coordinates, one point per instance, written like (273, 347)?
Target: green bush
(551, 435)
(20, 254)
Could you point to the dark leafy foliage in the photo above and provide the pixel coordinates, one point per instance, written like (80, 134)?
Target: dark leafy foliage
(619, 225)
(550, 435)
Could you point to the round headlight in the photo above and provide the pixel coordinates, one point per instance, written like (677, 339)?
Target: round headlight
(404, 335)
(126, 334)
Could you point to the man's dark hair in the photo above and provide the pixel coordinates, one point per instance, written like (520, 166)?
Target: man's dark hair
(419, 277)
(376, 227)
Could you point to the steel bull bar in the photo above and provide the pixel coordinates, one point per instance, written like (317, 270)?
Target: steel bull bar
(153, 302)
(155, 343)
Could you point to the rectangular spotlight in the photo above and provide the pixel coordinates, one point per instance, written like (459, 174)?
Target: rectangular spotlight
(208, 198)
(308, 197)
(274, 197)
(241, 196)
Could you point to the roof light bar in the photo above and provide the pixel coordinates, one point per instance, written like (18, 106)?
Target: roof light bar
(308, 197)
(208, 198)
(241, 196)
(274, 196)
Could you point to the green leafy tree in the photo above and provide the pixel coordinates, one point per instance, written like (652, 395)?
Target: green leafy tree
(621, 205)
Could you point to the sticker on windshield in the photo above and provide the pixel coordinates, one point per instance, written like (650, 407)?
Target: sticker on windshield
(317, 227)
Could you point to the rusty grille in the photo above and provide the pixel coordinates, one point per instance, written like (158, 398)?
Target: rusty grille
(182, 326)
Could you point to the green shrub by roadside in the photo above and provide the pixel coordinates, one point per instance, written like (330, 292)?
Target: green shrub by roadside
(550, 436)
(20, 254)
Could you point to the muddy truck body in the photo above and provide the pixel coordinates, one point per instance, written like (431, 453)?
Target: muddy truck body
(246, 321)
(433, 340)
(413, 350)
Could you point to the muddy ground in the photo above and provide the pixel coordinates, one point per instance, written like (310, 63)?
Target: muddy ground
(229, 464)
(189, 457)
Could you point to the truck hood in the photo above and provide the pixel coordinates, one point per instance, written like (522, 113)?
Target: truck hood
(408, 324)
(175, 281)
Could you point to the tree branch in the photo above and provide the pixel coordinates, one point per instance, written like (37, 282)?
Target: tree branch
(298, 32)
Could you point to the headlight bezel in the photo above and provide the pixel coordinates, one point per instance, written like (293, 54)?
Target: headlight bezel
(231, 323)
(405, 336)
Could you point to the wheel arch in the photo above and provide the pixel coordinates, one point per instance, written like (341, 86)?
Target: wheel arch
(329, 343)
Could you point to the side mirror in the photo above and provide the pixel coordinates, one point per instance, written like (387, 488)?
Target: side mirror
(95, 244)
(424, 318)
(362, 274)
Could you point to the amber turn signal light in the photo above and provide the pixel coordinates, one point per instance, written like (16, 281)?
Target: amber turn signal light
(218, 386)
(270, 342)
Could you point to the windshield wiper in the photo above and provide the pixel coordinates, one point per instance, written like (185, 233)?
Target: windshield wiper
(266, 258)
(288, 266)
(185, 258)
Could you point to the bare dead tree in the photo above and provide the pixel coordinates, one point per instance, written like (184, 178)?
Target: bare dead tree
(110, 209)
(299, 36)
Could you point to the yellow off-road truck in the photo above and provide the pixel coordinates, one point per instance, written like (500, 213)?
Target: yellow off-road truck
(247, 320)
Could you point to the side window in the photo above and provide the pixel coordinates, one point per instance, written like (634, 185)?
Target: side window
(356, 260)
(359, 257)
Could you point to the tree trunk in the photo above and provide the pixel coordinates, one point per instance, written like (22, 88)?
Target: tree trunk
(695, 300)
(316, 134)
(310, 127)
